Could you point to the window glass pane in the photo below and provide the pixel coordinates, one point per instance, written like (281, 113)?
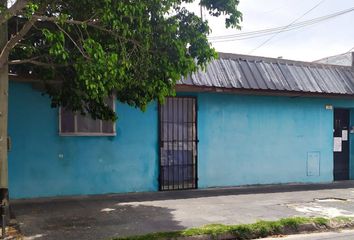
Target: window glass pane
(86, 124)
(67, 121)
(107, 127)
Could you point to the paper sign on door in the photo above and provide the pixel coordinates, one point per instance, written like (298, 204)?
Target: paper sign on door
(344, 135)
(337, 144)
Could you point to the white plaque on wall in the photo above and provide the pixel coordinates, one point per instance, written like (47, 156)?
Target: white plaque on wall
(337, 144)
(344, 135)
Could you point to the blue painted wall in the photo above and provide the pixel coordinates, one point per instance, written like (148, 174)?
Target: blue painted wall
(262, 139)
(243, 140)
(90, 165)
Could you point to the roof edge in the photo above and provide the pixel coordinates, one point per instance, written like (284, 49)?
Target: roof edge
(223, 55)
(261, 92)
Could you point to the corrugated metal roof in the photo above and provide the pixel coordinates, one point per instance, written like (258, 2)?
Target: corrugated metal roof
(235, 71)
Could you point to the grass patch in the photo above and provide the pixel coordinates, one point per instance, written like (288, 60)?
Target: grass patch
(343, 219)
(321, 221)
(240, 232)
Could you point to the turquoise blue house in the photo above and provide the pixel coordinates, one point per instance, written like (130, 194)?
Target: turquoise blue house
(246, 120)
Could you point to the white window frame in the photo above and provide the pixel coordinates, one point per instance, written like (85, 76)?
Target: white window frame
(76, 133)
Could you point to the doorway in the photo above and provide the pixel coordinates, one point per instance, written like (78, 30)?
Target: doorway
(178, 143)
(341, 144)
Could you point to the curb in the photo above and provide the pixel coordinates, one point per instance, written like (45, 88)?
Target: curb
(300, 229)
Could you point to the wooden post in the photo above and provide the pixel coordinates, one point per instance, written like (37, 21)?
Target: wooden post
(4, 88)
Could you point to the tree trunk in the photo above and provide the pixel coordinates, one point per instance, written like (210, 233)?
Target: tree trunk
(4, 87)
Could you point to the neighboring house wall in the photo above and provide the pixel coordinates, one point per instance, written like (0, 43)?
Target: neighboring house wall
(259, 139)
(88, 165)
(345, 59)
(242, 140)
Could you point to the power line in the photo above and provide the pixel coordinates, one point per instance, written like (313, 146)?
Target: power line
(269, 39)
(269, 31)
(281, 28)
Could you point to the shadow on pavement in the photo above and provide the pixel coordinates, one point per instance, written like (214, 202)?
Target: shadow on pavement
(91, 220)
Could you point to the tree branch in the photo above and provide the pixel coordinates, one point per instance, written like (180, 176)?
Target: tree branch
(69, 21)
(15, 39)
(91, 23)
(73, 41)
(31, 79)
(13, 10)
(35, 62)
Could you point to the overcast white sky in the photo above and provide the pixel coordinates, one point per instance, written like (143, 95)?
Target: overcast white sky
(331, 37)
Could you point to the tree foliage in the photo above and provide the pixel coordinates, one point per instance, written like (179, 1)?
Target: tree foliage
(85, 50)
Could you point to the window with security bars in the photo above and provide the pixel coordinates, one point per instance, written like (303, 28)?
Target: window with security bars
(75, 124)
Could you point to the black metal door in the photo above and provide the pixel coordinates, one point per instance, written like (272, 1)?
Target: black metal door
(178, 143)
(341, 144)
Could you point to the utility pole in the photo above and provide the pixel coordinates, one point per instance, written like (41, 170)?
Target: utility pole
(4, 89)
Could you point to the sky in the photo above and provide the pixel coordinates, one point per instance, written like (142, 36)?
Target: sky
(328, 38)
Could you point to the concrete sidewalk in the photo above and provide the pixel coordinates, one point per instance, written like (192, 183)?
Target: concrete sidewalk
(342, 235)
(106, 216)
